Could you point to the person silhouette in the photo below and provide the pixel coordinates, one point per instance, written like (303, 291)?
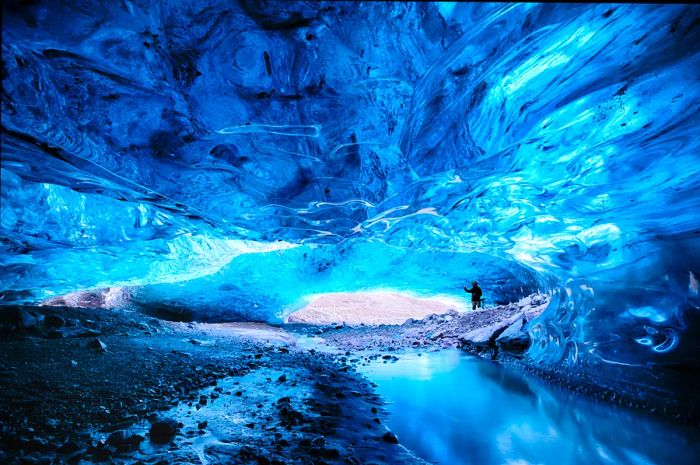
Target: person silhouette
(475, 291)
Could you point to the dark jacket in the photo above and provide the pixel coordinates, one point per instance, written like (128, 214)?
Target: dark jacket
(475, 292)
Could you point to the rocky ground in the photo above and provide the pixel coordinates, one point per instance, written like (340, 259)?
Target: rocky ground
(95, 385)
(498, 333)
(484, 331)
(82, 386)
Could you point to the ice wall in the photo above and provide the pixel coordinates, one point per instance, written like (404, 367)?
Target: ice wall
(233, 158)
(272, 285)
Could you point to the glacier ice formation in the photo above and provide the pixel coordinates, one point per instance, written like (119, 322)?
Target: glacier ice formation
(234, 158)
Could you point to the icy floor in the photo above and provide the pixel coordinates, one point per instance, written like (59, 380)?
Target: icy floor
(455, 409)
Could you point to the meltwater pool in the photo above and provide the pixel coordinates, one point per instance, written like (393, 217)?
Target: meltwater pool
(452, 408)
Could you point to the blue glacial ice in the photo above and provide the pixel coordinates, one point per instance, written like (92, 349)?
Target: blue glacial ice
(235, 158)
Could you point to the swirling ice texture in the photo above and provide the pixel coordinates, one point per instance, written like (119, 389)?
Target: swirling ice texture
(276, 284)
(236, 158)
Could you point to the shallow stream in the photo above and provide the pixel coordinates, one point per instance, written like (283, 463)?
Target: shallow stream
(453, 408)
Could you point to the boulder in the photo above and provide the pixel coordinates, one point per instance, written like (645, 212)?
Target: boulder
(97, 345)
(486, 336)
(390, 437)
(54, 321)
(514, 339)
(163, 431)
(26, 320)
(482, 336)
(15, 318)
(123, 441)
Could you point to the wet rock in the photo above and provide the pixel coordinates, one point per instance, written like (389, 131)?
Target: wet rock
(288, 415)
(390, 437)
(514, 339)
(163, 431)
(55, 334)
(19, 319)
(99, 452)
(202, 425)
(51, 423)
(485, 336)
(282, 378)
(86, 332)
(144, 327)
(97, 344)
(69, 447)
(75, 331)
(123, 441)
(326, 453)
(54, 321)
(26, 320)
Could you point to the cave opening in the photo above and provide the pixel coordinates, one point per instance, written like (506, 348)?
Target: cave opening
(243, 231)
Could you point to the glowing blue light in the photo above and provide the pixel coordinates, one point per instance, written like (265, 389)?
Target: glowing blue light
(243, 157)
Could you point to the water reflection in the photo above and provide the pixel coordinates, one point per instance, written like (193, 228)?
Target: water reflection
(456, 409)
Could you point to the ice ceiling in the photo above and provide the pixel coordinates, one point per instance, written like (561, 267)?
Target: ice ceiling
(233, 158)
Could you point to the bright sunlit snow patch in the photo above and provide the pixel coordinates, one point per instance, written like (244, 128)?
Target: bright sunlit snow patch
(372, 307)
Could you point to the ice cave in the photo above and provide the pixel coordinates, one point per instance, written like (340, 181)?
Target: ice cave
(242, 232)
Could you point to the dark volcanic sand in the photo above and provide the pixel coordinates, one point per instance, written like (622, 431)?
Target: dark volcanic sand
(61, 400)
(245, 393)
